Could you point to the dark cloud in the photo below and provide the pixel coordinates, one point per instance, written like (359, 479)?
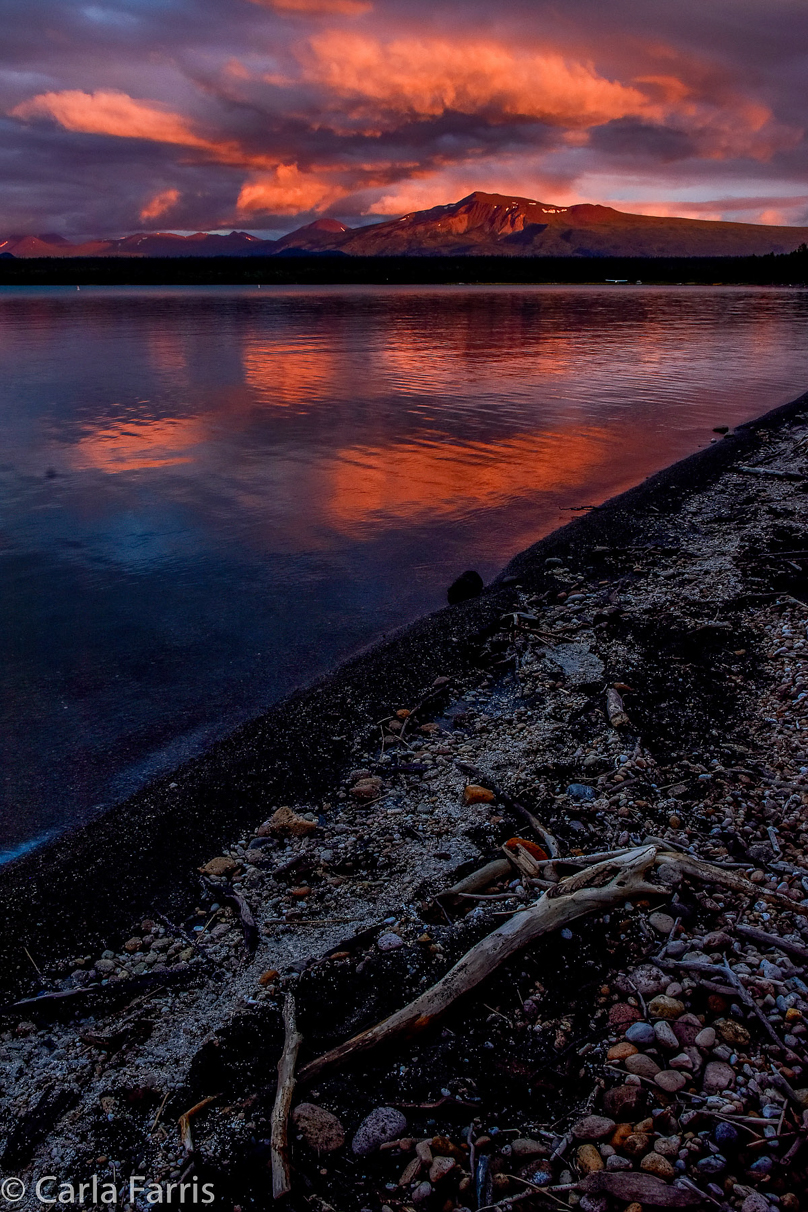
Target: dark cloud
(178, 114)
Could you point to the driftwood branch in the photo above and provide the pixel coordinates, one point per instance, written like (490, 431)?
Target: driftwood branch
(279, 1135)
(185, 1123)
(772, 940)
(595, 890)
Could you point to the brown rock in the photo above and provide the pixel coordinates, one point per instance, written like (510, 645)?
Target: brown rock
(655, 1163)
(441, 1166)
(686, 1029)
(266, 978)
(589, 1159)
(621, 1133)
(621, 1051)
(624, 1102)
(732, 1032)
(132, 945)
(717, 940)
(367, 789)
(623, 1015)
(474, 794)
(646, 1189)
(642, 1065)
(665, 1007)
(637, 1144)
(593, 1127)
(321, 1130)
(667, 1146)
(221, 866)
(285, 823)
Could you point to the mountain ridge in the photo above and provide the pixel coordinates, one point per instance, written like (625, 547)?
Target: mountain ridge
(481, 224)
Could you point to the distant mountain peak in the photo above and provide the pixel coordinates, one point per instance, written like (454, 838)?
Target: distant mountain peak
(480, 224)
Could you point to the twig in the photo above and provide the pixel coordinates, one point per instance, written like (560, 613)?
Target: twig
(771, 940)
(248, 926)
(160, 1110)
(594, 890)
(750, 1002)
(33, 961)
(279, 1136)
(185, 1122)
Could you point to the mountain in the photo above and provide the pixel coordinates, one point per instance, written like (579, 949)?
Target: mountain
(498, 225)
(479, 225)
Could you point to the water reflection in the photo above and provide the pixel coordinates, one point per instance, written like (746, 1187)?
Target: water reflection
(210, 496)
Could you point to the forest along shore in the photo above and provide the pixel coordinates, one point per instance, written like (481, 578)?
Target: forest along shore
(571, 882)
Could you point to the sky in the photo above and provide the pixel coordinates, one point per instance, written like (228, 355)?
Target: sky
(261, 115)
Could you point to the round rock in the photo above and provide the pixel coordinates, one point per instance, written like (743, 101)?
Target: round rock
(389, 942)
(665, 1007)
(642, 1065)
(321, 1130)
(382, 1125)
(593, 1127)
(718, 1076)
(670, 1080)
(641, 1033)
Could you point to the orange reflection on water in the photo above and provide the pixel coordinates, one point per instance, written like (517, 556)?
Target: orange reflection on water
(134, 445)
(286, 375)
(420, 480)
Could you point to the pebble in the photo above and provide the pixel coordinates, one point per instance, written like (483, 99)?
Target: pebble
(624, 1102)
(718, 1076)
(593, 1127)
(665, 1007)
(383, 1124)
(642, 1065)
(640, 1033)
(580, 791)
(663, 923)
(636, 1144)
(665, 1036)
(670, 1080)
(321, 1130)
(619, 1052)
(589, 1159)
(474, 794)
(389, 942)
(655, 1163)
(755, 1203)
(705, 1038)
(621, 1013)
(732, 1032)
(441, 1166)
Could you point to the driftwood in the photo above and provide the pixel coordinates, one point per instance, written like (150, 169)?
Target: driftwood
(594, 890)
(709, 873)
(618, 717)
(486, 875)
(52, 1001)
(279, 1134)
(772, 940)
(770, 473)
(184, 1122)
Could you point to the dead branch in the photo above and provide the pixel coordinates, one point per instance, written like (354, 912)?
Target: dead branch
(618, 717)
(248, 927)
(513, 806)
(184, 1122)
(594, 890)
(772, 940)
(709, 873)
(478, 879)
(279, 1134)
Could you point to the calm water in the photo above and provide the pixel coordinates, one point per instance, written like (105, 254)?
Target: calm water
(209, 496)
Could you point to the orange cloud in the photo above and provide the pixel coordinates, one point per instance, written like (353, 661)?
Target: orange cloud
(287, 191)
(426, 77)
(318, 8)
(110, 113)
(160, 203)
(113, 113)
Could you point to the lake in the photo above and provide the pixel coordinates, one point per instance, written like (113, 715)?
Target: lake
(210, 496)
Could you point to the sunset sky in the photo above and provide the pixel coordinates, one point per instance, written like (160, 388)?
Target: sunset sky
(182, 115)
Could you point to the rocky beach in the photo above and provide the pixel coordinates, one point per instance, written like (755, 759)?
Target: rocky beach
(552, 840)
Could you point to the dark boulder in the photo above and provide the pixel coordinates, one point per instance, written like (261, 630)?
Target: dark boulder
(468, 585)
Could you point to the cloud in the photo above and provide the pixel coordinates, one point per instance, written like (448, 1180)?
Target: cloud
(287, 191)
(110, 113)
(373, 79)
(318, 8)
(166, 200)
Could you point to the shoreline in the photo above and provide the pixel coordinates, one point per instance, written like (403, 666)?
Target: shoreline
(133, 856)
(653, 1051)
